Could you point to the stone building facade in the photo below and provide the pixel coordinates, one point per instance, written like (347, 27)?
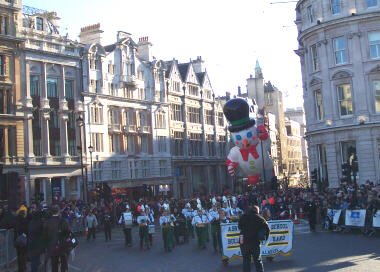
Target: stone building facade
(12, 163)
(50, 73)
(339, 49)
(198, 130)
(126, 114)
(298, 115)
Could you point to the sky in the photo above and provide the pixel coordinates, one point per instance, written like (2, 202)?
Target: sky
(228, 35)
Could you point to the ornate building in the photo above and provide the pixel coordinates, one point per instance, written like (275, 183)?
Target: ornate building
(339, 49)
(12, 174)
(126, 114)
(198, 130)
(50, 73)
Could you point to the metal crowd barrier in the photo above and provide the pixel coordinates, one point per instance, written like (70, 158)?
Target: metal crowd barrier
(7, 250)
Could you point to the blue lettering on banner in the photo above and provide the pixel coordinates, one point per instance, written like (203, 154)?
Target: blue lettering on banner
(355, 215)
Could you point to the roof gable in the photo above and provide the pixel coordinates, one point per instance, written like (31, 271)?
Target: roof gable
(191, 77)
(206, 82)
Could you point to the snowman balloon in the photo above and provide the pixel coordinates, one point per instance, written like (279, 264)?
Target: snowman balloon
(247, 152)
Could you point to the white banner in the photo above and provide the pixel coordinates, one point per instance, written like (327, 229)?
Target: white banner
(280, 240)
(334, 215)
(355, 218)
(376, 220)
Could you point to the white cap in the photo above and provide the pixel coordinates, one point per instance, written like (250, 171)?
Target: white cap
(234, 199)
(213, 201)
(199, 206)
(188, 205)
(224, 199)
(142, 208)
(127, 206)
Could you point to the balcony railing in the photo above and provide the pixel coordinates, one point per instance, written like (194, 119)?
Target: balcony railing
(114, 127)
(12, 160)
(129, 128)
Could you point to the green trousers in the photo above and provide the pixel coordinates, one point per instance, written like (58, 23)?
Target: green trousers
(190, 228)
(216, 238)
(202, 236)
(167, 238)
(144, 236)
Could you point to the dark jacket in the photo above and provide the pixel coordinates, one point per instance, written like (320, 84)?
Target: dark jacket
(52, 227)
(36, 243)
(21, 226)
(250, 223)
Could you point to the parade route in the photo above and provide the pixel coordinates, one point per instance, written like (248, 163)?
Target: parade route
(321, 251)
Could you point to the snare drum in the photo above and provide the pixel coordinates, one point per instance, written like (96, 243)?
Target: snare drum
(151, 229)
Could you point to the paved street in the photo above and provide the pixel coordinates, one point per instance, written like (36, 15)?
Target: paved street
(324, 251)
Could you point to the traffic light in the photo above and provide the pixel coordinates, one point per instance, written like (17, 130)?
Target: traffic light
(346, 172)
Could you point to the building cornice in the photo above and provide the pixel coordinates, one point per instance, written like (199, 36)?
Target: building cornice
(11, 38)
(342, 128)
(339, 22)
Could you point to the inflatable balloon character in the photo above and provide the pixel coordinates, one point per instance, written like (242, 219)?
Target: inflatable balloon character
(249, 154)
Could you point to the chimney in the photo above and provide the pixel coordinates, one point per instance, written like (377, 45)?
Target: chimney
(144, 49)
(198, 64)
(91, 34)
(239, 91)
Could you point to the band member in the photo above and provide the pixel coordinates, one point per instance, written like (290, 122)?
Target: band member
(126, 221)
(167, 222)
(150, 214)
(235, 212)
(189, 213)
(179, 225)
(213, 216)
(200, 222)
(225, 207)
(143, 221)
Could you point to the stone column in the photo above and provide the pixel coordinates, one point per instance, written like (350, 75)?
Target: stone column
(6, 145)
(45, 134)
(78, 181)
(47, 191)
(28, 117)
(32, 187)
(63, 135)
(63, 187)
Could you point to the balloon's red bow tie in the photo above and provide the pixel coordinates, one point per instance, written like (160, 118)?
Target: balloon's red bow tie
(249, 150)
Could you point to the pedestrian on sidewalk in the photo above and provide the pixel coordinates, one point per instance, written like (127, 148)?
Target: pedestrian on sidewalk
(107, 225)
(55, 229)
(91, 224)
(20, 238)
(252, 226)
(35, 239)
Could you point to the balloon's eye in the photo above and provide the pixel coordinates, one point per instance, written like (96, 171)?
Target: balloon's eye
(238, 137)
(249, 134)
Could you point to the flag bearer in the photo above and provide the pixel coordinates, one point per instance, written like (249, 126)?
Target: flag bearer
(143, 221)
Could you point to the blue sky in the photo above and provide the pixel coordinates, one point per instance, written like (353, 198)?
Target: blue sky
(229, 35)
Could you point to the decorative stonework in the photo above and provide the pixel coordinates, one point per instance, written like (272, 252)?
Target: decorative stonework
(341, 74)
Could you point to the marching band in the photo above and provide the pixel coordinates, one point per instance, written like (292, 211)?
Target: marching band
(183, 223)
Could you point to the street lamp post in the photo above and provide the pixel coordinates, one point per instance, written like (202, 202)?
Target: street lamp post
(91, 149)
(80, 124)
(260, 132)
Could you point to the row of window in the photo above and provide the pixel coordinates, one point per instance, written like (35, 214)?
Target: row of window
(51, 87)
(340, 50)
(193, 115)
(336, 8)
(132, 143)
(3, 24)
(344, 99)
(136, 169)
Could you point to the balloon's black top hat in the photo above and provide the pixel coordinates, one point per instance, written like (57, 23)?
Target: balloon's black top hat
(237, 113)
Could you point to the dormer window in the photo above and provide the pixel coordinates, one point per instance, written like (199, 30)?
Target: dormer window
(39, 23)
